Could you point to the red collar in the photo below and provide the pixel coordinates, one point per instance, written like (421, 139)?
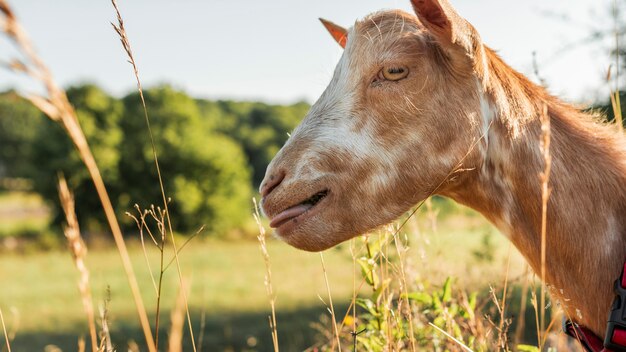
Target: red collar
(615, 338)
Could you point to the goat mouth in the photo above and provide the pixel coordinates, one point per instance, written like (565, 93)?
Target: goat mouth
(298, 210)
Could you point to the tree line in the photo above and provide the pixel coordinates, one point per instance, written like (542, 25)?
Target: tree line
(212, 154)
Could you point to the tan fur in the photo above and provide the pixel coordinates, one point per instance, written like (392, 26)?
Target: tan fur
(380, 147)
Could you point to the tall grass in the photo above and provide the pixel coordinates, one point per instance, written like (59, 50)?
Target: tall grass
(121, 31)
(57, 107)
(178, 321)
(615, 91)
(158, 237)
(4, 330)
(401, 312)
(545, 196)
(331, 309)
(268, 276)
(78, 249)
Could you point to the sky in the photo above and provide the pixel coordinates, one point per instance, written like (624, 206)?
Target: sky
(277, 51)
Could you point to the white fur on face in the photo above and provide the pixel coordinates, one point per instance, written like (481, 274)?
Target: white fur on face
(332, 124)
(386, 154)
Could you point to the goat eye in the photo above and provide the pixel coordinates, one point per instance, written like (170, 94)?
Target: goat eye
(394, 73)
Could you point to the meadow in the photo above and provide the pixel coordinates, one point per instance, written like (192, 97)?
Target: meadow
(228, 302)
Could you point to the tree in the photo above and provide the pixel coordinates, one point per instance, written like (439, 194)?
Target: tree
(259, 128)
(54, 153)
(208, 152)
(18, 125)
(204, 172)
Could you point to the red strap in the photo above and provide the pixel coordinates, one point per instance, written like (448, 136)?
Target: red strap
(619, 336)
(586, 337)
(589, 340)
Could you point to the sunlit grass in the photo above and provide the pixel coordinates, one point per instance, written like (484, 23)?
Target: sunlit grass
(224, 278)
(225, 281)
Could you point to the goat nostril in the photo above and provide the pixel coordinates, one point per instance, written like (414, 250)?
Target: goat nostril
(271, 183)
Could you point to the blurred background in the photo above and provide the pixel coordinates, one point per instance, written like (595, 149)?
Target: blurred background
(226, 81)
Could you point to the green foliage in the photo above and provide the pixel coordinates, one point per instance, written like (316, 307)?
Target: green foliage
(205, 172)
(54, 153)
(386, 325)
(211, 153)
(41, 287)
(417, 317)
(259, 128)
(18, 125)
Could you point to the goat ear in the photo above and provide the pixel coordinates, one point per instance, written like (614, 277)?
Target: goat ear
(339, 33)
(446, 25)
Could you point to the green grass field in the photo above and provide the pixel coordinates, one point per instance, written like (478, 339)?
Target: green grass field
(39, 294)
(40, 299)
(226, 283)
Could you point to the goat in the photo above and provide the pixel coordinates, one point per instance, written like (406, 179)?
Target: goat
(413, 98)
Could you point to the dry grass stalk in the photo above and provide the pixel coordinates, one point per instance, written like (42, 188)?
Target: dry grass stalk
(4, 327)
(158, 216)
(121, 31)
(348, 318)
(615, 102)
(142, 225)
(502, 328)
(133, 346)
(503, 342)
(331, 308)
(81, 344)
(615, 98)
(143, 219)
(178, 322)
(545, 195)
(461, 344)
(268, 276)
(78, 250)
(105, 334)
(386, 296)
(59, 109)
(401, 249)
(521, 320)
(354, 294)
(15, 323)
(202, 327)
(535, 304)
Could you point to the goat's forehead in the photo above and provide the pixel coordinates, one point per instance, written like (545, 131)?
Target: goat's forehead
(387, 23)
